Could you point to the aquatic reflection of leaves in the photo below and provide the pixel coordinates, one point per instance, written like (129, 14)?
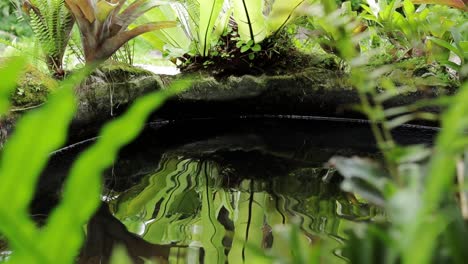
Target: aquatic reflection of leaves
(185, 202)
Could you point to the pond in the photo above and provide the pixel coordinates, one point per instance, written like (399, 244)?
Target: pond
(217, 191)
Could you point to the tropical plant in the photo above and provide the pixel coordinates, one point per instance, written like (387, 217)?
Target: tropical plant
(220, 28)
(253, 25)
(418, 195)
(456, 54)
(202, 23)
(60, 239)
(103, 25)
(209, 11)
(416, 185)
(12, 25)
(410, 28)
(52, 23)
(460, 4)
(172, 42)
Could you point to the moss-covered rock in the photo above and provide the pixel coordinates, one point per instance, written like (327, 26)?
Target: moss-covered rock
(303, 91)
(103, 95)
(310, 88)
(33, 88)
(110, 89)
(118, 72)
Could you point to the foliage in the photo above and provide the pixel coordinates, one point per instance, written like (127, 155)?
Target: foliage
(412, 27)
(209, 11)
(389, 32)
(417, 196)
(28, 242)
(458, 47)
(12, 25)
(253, 25)
(453, 3)
(52, 24)
(416, 185)
(185, 201)
(222, 29)
(103, 25)
(201, 25)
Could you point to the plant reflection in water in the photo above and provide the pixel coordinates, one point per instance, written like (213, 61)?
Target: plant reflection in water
(214, 210)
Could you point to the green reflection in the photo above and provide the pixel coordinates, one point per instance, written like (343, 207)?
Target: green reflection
(210, 205)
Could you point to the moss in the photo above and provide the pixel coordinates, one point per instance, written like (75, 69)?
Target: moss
(118, 72)
(33, 88)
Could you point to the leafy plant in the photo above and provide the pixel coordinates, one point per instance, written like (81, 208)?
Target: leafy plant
(410, 28)
(253, 25)
(249, 46)
(52, 24)
(103, 25)
(202, 23)
(458, 47)
(61, 237)
(460, 4)
(418, 198)
(208, 27)
(209, 11)
(12, 25)
(415, 186)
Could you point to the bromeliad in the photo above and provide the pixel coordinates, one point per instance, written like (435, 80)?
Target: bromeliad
(104, 26)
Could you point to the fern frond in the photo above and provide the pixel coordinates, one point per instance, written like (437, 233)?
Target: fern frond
(51, 23)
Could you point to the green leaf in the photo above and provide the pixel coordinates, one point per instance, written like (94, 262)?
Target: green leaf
(10, 70)
(365, 178)
(257, 48)
(446, 45)
(81, 194)
(165, 38)
(464, 46)
(222, 24)
(453, 3)
(244, 48)
(252, 56)
(408, 8)
(23, 158)
(250, 20)
(134, 11)
(281, 13)
(371, 13)
(410, 154)
(427, 240)
(209, 12)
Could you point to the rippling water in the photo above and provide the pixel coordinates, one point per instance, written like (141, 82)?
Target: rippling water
(242, 191)
(224, 213)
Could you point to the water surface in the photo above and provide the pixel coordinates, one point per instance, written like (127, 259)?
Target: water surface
(210, 191)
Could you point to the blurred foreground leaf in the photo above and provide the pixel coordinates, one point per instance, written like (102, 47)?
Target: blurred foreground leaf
(10, 71)
(26, 153)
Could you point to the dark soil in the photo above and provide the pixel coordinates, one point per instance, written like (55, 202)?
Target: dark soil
(277, 57)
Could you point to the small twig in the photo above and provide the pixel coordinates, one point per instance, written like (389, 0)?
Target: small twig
(111, 98)
(26, 108)
(461, 174)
